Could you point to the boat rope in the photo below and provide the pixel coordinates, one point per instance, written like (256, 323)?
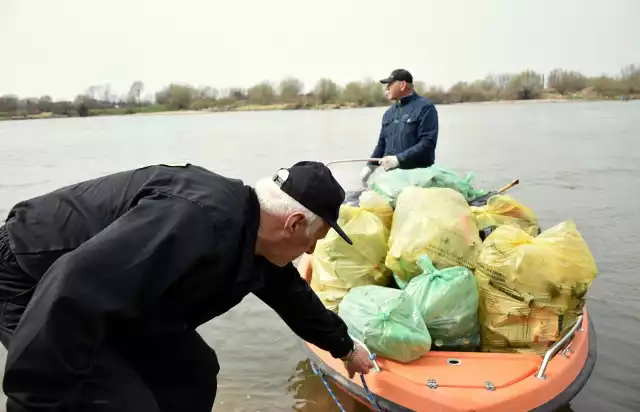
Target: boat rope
(368, 393)
(326, 385)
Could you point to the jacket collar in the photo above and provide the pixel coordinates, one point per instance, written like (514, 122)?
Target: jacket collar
(406, 99)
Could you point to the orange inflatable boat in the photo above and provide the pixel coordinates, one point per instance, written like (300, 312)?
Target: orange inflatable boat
(470, 381)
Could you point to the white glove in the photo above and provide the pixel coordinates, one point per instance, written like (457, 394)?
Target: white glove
(389, 162)
(365, 173)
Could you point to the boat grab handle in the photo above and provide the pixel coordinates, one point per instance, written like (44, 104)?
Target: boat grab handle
(371, 355)
(555, 348)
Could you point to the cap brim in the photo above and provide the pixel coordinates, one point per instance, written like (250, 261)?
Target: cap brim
(387, 80)
(338, 229)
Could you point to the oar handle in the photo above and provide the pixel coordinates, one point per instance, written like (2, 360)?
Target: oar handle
(509, 186)
(483, 198)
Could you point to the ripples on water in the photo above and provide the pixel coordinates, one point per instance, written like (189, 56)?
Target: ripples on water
(575, 161)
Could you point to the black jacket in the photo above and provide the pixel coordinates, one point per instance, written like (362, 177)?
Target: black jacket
(166, 246)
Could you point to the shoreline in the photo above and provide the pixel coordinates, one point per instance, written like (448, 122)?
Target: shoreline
(289, 107)
(283, 107)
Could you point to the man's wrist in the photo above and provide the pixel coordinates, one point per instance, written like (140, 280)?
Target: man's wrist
(349, 356)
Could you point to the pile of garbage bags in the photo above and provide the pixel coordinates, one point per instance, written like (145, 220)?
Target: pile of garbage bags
(429, 271)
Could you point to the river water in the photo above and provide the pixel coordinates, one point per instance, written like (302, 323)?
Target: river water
(577, 161)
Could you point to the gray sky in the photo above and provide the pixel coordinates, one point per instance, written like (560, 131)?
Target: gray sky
(61, 47)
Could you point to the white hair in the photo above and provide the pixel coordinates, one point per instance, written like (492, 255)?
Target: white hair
(275, 201)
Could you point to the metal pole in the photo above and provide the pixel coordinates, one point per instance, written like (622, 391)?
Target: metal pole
(352, 160)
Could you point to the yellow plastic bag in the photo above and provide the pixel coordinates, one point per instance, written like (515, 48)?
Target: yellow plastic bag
(515, 326)
(338, 267)
(554, 269)
(433, 221)
(503, 209)
(378, 205)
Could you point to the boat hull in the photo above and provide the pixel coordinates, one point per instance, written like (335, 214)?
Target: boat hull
(479, 381)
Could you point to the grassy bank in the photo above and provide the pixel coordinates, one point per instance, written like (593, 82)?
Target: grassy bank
(164, 110)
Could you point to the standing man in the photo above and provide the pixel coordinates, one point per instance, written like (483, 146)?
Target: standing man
(409, 131)
(103, 283)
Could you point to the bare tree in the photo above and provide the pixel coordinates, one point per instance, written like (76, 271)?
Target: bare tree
(630, 78)
(326, 91)
(564, 81)
(262, 93)
(290, 89)
(135, 91)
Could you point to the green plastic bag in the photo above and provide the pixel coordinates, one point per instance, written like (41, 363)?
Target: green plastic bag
(390, 184)
(387, 321)
(448, 302)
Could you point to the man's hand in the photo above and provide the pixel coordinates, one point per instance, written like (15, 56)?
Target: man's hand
(389, 162)
(360, 362)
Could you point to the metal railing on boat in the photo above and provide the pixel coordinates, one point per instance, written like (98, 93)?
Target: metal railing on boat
(555, 348)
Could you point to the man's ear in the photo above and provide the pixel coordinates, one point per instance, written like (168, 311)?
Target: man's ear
(294, 221)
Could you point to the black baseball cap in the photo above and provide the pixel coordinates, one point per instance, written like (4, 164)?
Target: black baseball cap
(312, 184)
(400, 75)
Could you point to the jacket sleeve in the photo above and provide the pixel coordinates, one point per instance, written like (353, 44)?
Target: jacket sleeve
(427, 138)
(378, 151)
(301, 309)
(116, 274)
(381, 146)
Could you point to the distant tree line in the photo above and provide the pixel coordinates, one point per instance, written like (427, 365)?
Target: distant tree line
(290, 93)
(529, 84)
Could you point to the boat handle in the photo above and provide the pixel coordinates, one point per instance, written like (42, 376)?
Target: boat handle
(371, 356)
(555, 348)
(567, 349)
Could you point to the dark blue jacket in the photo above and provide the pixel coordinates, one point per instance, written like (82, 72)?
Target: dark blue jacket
(410, 132)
